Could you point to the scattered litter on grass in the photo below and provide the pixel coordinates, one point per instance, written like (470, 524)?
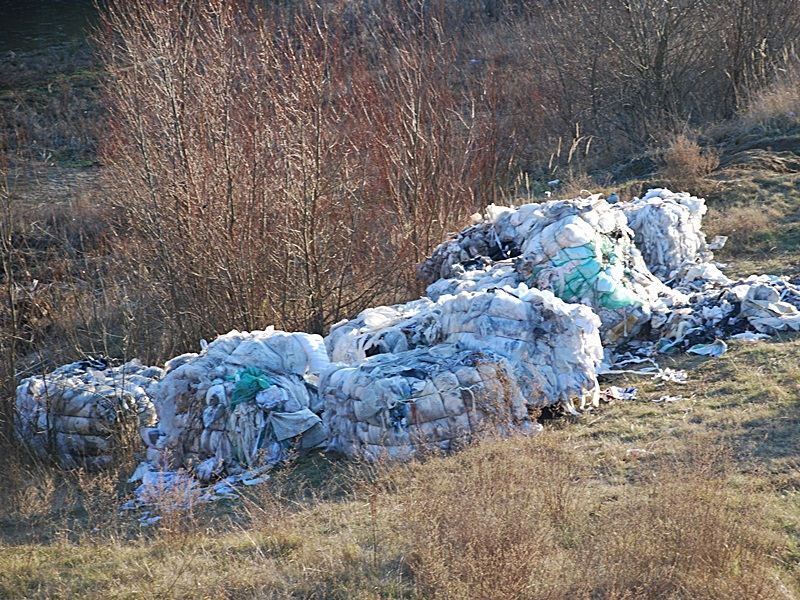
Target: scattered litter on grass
(671, 375)
(666, 399)
(749, 336)
(716, 348)
(620, 393)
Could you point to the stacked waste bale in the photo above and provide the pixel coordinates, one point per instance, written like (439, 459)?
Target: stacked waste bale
(580, 249)
(455, 368)
(554, 347)
(383, 330)
(668, 230)
(243, 401)
(394, 405)
(79, 413)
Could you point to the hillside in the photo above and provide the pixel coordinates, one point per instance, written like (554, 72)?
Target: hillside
(693, 498)
(689, 491)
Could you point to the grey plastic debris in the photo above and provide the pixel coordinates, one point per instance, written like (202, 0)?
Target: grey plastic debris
(166, 491)
(620, 393)
(666, 399)
(718, 243)
(764, 304)
(749, 336)
(78, 413)
(716, 348)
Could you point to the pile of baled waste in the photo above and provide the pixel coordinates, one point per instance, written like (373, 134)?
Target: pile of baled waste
(523, 311)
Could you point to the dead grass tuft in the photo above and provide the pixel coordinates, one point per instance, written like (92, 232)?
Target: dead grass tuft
(521, 519)
(685, 164)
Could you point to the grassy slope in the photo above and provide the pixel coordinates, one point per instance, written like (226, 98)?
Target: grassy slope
(723, 459)
(694, 499)
(323, 544)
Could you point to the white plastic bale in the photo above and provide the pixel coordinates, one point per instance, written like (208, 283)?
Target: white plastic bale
(197, 421)
(76, 413)
(553, 347)
(668, 230)
(420, 399)
(527, 244)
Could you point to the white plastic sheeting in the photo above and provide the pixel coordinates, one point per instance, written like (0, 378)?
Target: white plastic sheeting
(668, 230)
(383, 330)
(77, 413)
(554, 347)
(393, 405)
(426, 374)
(203, 425)
(580, 249)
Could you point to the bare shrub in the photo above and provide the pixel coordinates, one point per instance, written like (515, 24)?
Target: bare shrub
(270, 172)
(749, 225)
(685, 163)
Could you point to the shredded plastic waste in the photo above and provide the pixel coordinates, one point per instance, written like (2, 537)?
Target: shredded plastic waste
(244, 401)
(666, 399)
(668, 230)
(671, 375)
(749, 336)
(762, 304)
(77, 413)
(164, 491)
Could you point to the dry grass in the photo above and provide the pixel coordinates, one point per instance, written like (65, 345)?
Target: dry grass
(529, 522)
(695, 499)
(776, 107)
(760, 211)
(685, 164)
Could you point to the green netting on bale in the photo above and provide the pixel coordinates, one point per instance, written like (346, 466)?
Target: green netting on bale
(584, 274)
(251, 381)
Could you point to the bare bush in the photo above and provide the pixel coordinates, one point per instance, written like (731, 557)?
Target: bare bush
(685, 163)
(270, 172)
